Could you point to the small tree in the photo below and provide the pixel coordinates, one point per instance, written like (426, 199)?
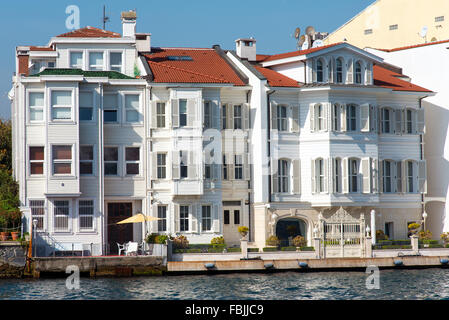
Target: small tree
(217, 242)
(273, 241)
(425, 235)
(299, 241)
(180, 242)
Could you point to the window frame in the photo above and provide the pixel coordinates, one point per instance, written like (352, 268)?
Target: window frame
(68, 216)
(207, 116)
(338, 178)
(206, 218)
(138, 162)
(352, 119)
(283, 177)
(36, 161)
(162, 219)
(339, 70)
(116, 108)
(80, 216)
(354, 176)
(237, 118)
(184, 221)
(30, 107)
(110, 66)
(61, 161)
(385, 121)
(183, 116)
(410, 182)
(111, 161)
(386, 178)
(161, 117)
(238, 167)
(41, 216)
(282, 121)
(82, 59)
(72, 97)
(91, 161)
(319, 175)
(358, 74)
(89, 65)
(320, 72)
(162, 167)
(125, 109)
(92, 107)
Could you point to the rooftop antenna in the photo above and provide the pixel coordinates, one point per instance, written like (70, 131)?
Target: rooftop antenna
(105, 19)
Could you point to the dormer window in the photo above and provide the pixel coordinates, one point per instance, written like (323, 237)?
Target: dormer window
(358, 72)
(339, 71)
(319, 71)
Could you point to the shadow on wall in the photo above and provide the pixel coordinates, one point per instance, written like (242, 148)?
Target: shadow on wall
(436, 153)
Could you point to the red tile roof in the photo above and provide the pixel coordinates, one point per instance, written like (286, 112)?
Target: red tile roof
(90, 32)
(414, 46)
(298, 52)
(388, 79)
(206, 66)
(35, 48)
(276, 79)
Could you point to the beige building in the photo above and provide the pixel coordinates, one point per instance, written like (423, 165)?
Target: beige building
(390, 24)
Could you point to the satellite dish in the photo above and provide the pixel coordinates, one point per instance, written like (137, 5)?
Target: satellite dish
(310, 31)
(305, 45)
(302, 39)
(423, 32)
(317, 43)
(297, 33)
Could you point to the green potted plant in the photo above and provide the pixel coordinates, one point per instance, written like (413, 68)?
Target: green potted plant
(445, 237)
(425, 235)
(272, 241)
(243, 230)
(14, 217)
(413, 228)
(298, 242)
(3, 223)
(180, 242)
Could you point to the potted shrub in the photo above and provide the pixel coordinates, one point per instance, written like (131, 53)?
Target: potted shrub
(243, 231)
(180, 242)
(298, 242)
(14, 220)
(425, 236)
(272, 241)
(3, 234)
(445, 237)
(413, 228)
(380, 235)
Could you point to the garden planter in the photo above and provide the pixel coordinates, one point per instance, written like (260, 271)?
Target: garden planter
(4, 236)
(15, 235)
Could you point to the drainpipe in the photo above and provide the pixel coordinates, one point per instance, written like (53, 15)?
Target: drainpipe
(250, 175)
(421, 148)
(269, 93)
(101, 172)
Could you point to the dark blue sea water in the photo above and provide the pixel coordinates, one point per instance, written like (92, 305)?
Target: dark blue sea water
(394, 284)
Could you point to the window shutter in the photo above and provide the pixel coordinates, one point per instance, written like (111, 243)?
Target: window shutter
(399, 174)
(193, 218)
(343, 118)
(369, 74)
(246, 116)
(350, 72)
(154, 227)
(295, 118)
(274, 121)
(191, 112)
(222, 116)
(153, 165)
(230, 116)
(345, 184)
(230, 159)
(312, 117)
(422, 176)
(373, 118)
(274, 176)
(375, 175)
(366, 174)
(326, 176)
(330, 69)
(314, 76)
(175, 112)
(420, 121)
(192, 166)
(313, 180)
(153, 115)
(398, 121)
(216, 220)
(247, 166)
(325, 115)
(176, 209)
(175, 165)
(381, 176)
(364, 118)
(404, 176)
(380, 120)
(296, 176)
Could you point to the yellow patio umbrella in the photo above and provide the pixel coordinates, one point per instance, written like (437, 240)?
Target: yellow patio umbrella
(138, 218)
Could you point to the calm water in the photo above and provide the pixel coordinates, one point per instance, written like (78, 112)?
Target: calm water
(394, 284)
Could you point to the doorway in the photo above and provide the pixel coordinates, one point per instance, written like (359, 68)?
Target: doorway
(119, 233)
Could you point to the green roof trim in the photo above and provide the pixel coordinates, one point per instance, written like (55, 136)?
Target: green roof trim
(79, 72)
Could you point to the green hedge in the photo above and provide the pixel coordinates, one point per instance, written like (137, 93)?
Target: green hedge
(253, 249)
(187, 251)
(383, 247)
(290, 248)
(428, 242)
(394, 242)
(270, 249)
(431, 245)
(234, 250)
(307, 249)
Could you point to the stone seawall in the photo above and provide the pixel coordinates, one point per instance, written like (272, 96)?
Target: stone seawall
(12, 259)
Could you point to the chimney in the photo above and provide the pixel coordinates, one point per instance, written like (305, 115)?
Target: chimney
(129, 23)
(23, 58)
(143, 42)
(246, 48)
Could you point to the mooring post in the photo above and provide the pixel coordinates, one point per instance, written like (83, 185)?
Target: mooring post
(244, 247)
(414, 241)
(368, 247)
(317, 246)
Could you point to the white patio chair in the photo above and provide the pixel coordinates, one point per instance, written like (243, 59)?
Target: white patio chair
(132, 248)
(121, 247)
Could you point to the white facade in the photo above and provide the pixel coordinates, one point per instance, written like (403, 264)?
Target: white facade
(92, 146)
(428, 65)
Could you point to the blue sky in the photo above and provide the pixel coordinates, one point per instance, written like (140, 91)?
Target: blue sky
(174, 23)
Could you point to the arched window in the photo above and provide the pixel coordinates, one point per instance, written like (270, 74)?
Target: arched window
(339, 66)
(351, 117)
(283, 176)
(319, 71)
(358, 72)
(353, 174)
